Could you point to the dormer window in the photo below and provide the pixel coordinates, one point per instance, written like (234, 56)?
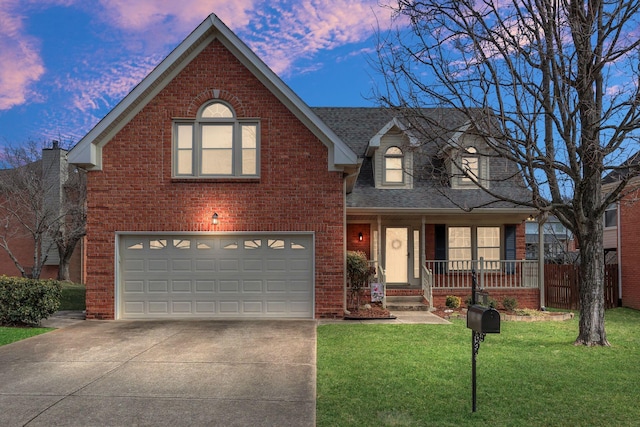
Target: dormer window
(470, 165)
(216, 144)
(393, 166)
(467, 168)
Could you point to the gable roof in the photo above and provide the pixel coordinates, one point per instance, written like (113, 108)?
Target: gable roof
(88, 151)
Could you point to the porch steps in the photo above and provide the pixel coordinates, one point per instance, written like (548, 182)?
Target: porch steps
(406, 303)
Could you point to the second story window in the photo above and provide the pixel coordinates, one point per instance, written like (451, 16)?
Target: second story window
(393, 166)
(611, 216)
(470, 165)
(216, 144)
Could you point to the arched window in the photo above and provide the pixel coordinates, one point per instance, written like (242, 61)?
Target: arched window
(216, 144)
(393, 166)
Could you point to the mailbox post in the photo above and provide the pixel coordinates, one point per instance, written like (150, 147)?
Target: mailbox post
(481, 320)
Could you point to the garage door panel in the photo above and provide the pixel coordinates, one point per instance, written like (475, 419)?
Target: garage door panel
(276, 285)
(252, 265)
(181, 286)
(204, 265)
(181, 265)
(134, 307)
(181, 307)
(158, 266)
(252, 286)
(299, 264)
(229, 307)
(299, 286)
(134, 286)
(158, 307)
(207, 286)
(229, 265)
(278, 265)
(134, 265)
(216, 276)
(205, 307)
(229, 286)
(252, 307)
(158, 286)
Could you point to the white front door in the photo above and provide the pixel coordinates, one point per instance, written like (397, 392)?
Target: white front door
(397, 255)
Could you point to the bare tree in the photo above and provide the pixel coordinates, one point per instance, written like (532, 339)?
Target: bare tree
(558, 78)
(41, 201)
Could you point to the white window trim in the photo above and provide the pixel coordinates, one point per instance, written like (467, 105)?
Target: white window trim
(197, 149)
(402, 158)
(458, 264)
(456, 169)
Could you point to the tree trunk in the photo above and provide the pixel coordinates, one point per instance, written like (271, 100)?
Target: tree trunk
(591, 287)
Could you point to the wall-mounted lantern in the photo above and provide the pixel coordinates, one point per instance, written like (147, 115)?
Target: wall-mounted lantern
(214, 219)
(360, 236)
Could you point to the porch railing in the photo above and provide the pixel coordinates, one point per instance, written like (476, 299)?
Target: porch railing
(427, 285)
(448, 274)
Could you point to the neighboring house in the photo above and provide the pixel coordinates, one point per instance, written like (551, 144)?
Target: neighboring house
(622, 234)
(215, 191)
(559, 245)
(54, 168)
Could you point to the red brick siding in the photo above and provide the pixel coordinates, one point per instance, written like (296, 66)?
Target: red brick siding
(135, 192)
(353, 240)
(526, 298)
(630, 250)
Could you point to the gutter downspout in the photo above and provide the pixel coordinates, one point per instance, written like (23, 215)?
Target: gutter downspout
(619, 255)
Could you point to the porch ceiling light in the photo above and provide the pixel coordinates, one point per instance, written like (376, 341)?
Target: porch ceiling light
(214, 218)
(360, 236)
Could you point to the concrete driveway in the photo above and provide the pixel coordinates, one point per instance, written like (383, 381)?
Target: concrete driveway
(178, 373)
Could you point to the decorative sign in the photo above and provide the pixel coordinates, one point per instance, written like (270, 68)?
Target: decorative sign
(377, 292)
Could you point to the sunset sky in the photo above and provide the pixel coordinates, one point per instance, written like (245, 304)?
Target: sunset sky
(65, 63)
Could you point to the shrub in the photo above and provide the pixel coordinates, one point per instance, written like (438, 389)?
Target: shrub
(491, 302)
(452, 301)
(509, 303)
(358, 274)
(27, 301)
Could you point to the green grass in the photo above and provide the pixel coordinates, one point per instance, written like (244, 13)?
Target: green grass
(9, 335)
(72, 297)
(530, 374)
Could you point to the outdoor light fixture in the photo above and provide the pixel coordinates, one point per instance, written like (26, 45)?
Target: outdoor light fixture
(214, 219)
(360, 236)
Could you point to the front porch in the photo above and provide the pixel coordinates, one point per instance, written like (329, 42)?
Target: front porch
(439, 278)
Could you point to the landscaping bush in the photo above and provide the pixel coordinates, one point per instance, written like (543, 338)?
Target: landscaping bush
(509, 303)
(358, 274)
(27, 301)
(452, 301)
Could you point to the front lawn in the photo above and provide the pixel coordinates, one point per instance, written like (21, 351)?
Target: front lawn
(529, 375)
(9, 335)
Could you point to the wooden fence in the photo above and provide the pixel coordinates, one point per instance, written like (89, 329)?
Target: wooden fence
(561, 286)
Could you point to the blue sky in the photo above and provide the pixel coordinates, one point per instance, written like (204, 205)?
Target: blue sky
(65, 63)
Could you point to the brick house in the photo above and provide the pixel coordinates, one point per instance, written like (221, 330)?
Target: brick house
(622, 234)
(215, 191)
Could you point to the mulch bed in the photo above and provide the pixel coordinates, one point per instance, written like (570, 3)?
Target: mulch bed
(369, 312)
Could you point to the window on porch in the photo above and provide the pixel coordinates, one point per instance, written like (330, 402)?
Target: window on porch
(472, 243)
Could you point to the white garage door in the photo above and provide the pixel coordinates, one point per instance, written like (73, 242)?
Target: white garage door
(216, 276)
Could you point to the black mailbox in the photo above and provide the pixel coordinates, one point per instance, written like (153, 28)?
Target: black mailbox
(484, 320)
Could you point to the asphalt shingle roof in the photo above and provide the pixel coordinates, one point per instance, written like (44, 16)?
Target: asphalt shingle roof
(431, 190)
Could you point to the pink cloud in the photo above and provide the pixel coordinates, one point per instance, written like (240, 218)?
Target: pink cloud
(280, 32)
(184, 15)
(20, 62)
